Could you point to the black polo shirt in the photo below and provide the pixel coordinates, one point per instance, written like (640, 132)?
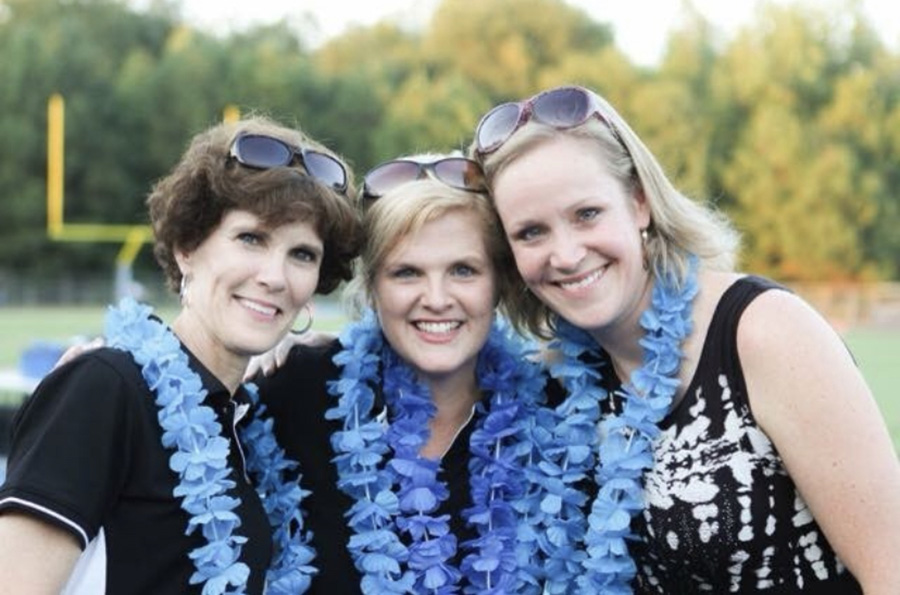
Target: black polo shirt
(297, 398)
(87, 457)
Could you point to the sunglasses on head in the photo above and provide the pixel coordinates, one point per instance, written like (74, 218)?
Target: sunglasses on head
(562, 107)
(456, 172)
(265, 152)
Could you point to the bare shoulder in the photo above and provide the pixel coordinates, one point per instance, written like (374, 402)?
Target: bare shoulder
(712, 285)
(780, 323)
(809, 397)
(794, 361)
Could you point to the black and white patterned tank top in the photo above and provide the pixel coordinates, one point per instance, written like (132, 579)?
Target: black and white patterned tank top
(722, 515)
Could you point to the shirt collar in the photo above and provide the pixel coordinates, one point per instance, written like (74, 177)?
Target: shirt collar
(217, 393)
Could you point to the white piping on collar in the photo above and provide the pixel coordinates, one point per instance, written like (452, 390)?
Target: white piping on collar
(459, 431)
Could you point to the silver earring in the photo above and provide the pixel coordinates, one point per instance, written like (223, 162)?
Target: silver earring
(182, 290)
(309, 320)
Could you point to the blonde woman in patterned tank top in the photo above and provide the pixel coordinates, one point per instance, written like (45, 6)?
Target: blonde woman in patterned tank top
(763, 462)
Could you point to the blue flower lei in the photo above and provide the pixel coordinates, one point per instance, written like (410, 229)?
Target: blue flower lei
(590, 555)
(400, 494)
(201, 462)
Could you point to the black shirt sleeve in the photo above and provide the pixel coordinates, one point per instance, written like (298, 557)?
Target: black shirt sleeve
(70, 443)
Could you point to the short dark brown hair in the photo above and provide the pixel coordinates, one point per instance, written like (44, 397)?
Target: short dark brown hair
(189, 203)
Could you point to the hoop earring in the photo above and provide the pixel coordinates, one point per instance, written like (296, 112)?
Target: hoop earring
(645, 252)
(309, 321)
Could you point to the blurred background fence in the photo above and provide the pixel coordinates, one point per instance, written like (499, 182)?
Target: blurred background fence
(846, 305)
(75, 288)
(855, 305)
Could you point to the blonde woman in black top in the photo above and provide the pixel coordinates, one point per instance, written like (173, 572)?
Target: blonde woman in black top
(740, 448)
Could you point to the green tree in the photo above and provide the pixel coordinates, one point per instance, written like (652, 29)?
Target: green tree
(504, 46)
(74, 48)
(427, 115)
(864, 119)
(803, 193)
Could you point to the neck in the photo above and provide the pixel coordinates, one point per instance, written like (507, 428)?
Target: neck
(454, 396)
(226, 366)
(621, 340)
(626, 357)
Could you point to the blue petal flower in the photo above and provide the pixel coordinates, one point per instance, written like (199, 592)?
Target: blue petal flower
(500, 444)
(200, 460)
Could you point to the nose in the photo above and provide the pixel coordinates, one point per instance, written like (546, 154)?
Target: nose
(271, 272)
(436, 296)
(566, 251)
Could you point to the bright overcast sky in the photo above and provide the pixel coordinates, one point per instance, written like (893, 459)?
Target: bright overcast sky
(640, 26)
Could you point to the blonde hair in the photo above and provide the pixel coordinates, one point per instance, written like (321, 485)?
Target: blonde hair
(679, 226)
(404, 211)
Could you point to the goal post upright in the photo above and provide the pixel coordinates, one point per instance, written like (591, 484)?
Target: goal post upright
(131, 237)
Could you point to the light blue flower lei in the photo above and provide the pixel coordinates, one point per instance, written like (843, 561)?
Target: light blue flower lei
(403, 493)
(201, 462)
(591, 555)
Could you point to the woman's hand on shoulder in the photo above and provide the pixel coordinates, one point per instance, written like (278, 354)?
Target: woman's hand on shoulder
(266, 363)
(78, 349)
(810, 398)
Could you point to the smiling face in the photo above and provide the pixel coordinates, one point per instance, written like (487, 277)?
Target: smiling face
(575, 234)
(435, 295)
(246, 285)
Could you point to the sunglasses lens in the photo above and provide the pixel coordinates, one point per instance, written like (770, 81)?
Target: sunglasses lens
(326, 169)
(388, 176)
(460, 173)
(262, 151)
(562, 108)
(497, 125)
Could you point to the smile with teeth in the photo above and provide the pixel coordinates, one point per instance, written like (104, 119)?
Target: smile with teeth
(437, 328)
(583, 282)
(260, 308)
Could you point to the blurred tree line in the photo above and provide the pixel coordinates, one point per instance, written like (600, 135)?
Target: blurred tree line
(792, 127)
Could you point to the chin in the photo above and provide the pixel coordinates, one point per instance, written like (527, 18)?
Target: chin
(255, 345)
(436, 369)
(431, 368)
(587, 321)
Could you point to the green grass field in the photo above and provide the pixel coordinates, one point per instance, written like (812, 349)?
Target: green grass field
(876, 351)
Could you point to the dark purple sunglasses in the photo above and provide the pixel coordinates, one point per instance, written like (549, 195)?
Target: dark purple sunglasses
(456, 172)
(265, 152)
(562, 107)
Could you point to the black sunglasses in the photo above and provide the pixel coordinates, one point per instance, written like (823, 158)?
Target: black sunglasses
(562, 107)
(456, 172)
(265, 152)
